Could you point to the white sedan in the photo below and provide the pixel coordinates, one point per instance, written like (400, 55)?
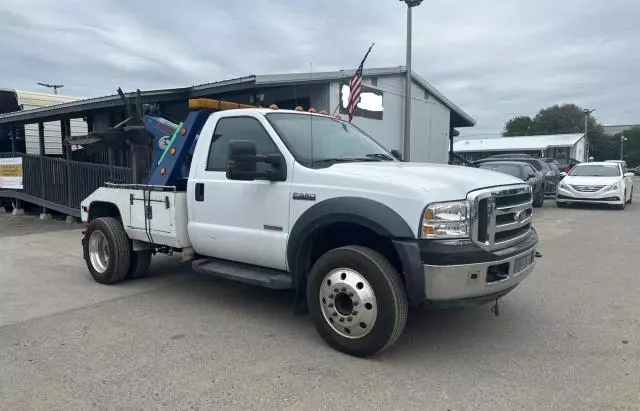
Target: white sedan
(601, 183)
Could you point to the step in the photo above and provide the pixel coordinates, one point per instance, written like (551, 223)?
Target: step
(264, 277)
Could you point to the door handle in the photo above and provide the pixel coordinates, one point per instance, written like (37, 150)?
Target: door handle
(199, 192)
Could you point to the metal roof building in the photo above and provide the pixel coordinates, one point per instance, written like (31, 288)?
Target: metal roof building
(433, 115)
(558, 146)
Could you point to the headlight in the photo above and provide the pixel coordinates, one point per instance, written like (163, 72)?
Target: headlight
(564, 186)
(446, 220)
(613, 187)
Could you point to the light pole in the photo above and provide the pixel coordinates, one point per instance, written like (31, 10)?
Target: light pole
(622, 140)
(587, 113)
(55, 87)
(407, 87)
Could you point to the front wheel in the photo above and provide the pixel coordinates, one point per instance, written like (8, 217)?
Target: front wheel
(356, 300)
(630, 197)
(106, 250)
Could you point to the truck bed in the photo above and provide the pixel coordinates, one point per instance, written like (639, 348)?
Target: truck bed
(152, 214)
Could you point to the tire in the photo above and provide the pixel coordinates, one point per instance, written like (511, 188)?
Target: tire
(561, 204)
(8, 208)
(107, 250)
(139, 263)
(630, 198)
(378, 309)
(624, 203)
(539, 200)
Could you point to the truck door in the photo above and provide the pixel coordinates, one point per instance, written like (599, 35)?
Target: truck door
(244, 221)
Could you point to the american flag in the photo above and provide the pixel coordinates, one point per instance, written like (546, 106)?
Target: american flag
(355, 86)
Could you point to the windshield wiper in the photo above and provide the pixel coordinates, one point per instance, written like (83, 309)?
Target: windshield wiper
(382, 156)
(330, 161)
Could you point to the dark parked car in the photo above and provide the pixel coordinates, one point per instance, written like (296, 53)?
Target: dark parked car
(524, 171)
(551, 177)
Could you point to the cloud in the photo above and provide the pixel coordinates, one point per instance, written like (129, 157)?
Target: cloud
(494, 59)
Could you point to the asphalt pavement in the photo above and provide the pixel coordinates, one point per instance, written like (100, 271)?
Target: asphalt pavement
(567, 338)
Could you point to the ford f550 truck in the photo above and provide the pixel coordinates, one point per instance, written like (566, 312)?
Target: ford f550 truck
(297, 200)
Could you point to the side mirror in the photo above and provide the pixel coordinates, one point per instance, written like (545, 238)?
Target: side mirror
(396, 154)
(629, 174)
(243, 163)
(563, 174)
(530, 176)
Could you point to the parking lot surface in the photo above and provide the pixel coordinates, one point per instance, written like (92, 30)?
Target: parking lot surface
(567, 338)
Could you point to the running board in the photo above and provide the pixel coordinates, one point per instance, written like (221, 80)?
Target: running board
(264, 277)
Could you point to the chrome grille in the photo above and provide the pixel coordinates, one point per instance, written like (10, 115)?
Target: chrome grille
(586, 189)
(501, 216)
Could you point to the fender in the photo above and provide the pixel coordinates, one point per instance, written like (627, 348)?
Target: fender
(371, 214)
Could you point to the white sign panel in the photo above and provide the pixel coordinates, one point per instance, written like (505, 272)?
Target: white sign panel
(11, 173)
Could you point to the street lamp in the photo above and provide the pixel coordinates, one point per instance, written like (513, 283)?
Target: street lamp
(587, 113)
(622, 140)
(407, 87)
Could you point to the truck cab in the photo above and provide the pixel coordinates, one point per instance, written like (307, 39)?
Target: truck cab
(304, 201)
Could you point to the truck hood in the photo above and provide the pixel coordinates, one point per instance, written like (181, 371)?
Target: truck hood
(595, 181)
(426, 176)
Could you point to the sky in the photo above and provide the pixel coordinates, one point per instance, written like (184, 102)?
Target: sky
(495, 59)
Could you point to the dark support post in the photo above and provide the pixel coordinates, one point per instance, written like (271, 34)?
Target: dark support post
(134, 162)
(41, 137)
(13, 139)
(451, 132)
(45, 214)
(66, 132)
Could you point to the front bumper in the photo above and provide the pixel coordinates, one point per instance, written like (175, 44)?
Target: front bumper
(467, 281)
(599, 197)
(461, 272)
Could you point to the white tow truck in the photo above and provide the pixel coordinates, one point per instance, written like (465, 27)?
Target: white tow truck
(296, 200)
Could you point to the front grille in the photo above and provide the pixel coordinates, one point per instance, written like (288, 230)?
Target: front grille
(586, 189)
(500, 217)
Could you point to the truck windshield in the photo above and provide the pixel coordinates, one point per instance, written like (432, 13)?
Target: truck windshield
(320, 141)
(593, 170)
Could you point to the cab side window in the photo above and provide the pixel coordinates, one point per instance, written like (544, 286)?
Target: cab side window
(238, 128)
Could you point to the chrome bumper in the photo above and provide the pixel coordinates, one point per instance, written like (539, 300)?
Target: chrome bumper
(463, 282)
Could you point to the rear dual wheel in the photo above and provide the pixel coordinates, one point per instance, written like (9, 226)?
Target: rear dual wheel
(109, 255)
(357, 300)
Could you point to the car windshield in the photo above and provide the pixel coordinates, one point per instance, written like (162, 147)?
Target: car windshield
(510, 169)
(318, 141)
(595, 170)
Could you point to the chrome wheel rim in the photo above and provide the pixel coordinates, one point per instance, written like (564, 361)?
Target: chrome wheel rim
(348, 303)
(99, 251)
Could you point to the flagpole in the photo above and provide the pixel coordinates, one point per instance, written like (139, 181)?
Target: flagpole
(359, 74)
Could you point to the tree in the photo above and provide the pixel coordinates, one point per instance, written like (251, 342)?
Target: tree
(564, 119)
(517, 126)
(631, 146)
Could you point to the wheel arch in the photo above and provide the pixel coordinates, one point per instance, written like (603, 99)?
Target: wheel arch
(355, 217)
(100, 208)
